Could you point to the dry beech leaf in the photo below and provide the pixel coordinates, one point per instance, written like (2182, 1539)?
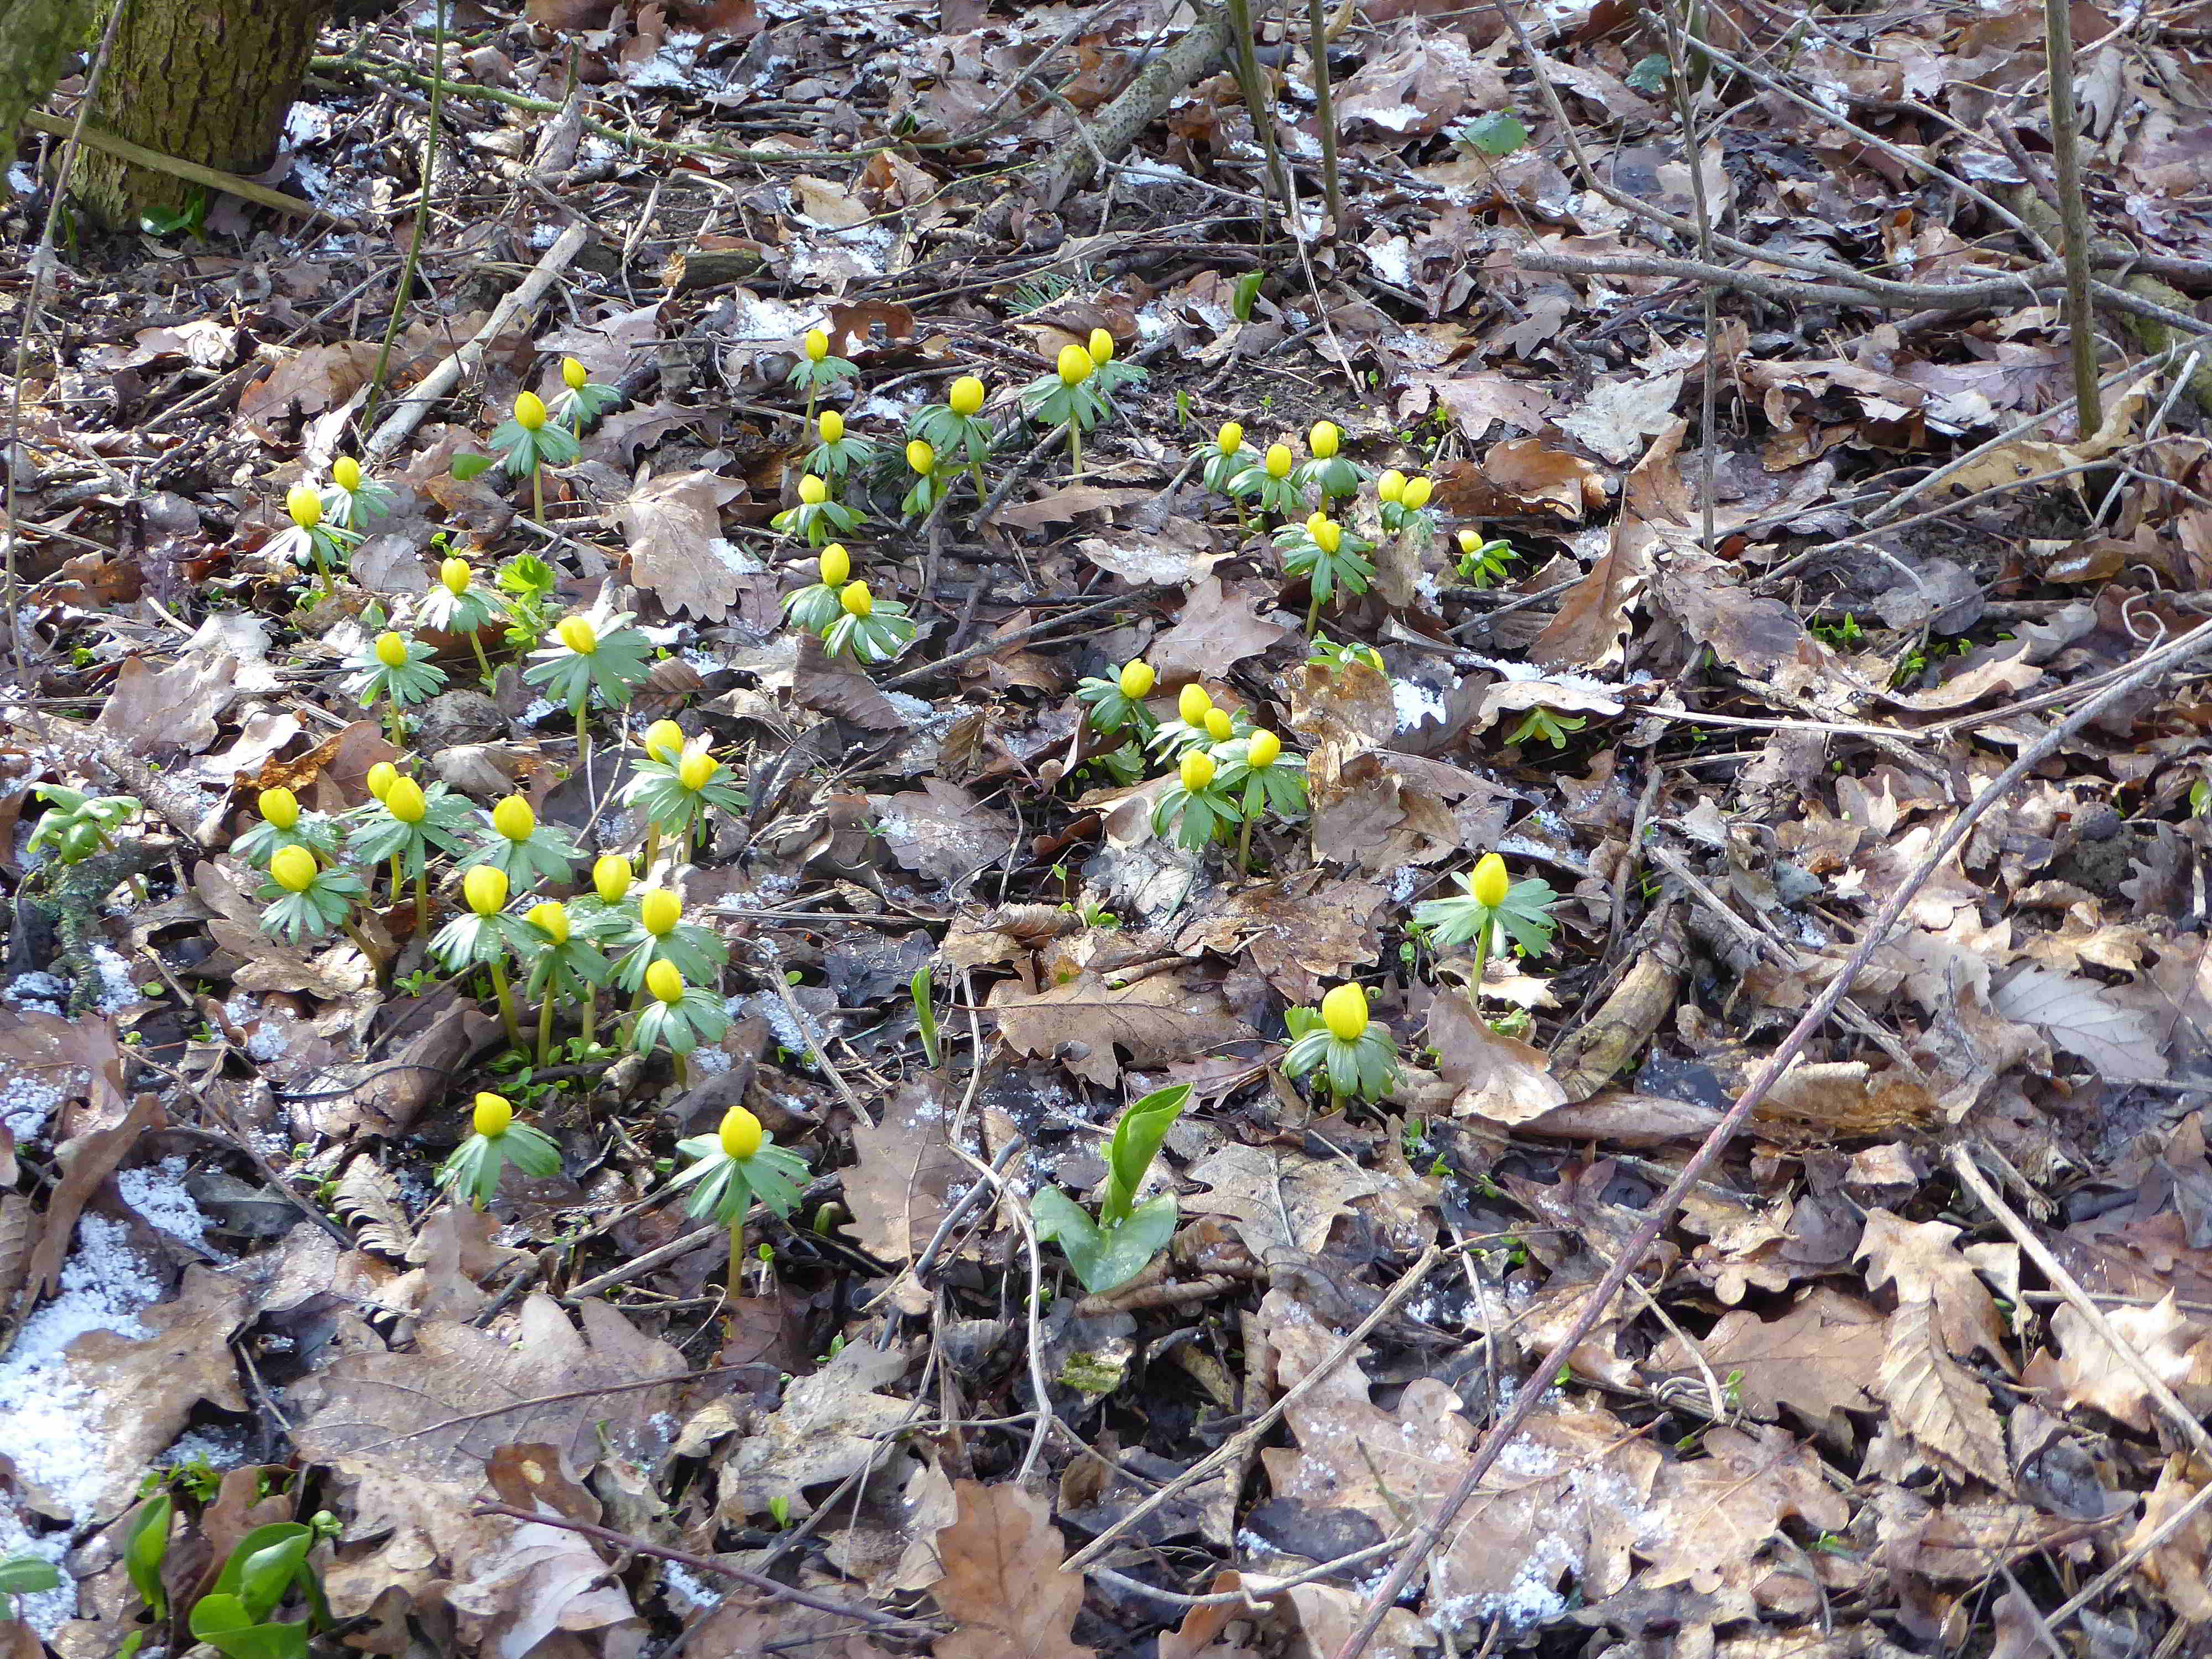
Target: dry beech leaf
(2176, 1566)
(2176, 1348)
(1279, 1202)
(896, 1189)
(830, 1425)
(1219, 628)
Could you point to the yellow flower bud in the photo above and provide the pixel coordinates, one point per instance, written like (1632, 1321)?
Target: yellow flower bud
(659, 912)
(485, 889)
(293, 869)
(391, 650)
(1490, 883)
(1324, 439)
(1075, 365)
(1391, 486)
(1328, 535)
(664, 740)
(1218, 725)
(740, 1132)
(455, 574)
(279, 807)
(1229, 439)
(405, 801)
(529, 410)
(1469, 542)
(1191, 704)
(835, 565)
(922, 457)
(694, 769)
(1263, 751)
(492, 1115)
(1316, 519)
(381, 777)
(1136, 680)
(304, 504)
(1279, 460)
(1100, 346)
(611, 877)
(857, 600)
(578, 634)
(966, 395)
(1196, 770)
(1344, 1011)
(551, 919)
(513, 818)
(345, 473)
(812, 491)
(1418, 491)
(665, 982)
(574, 374)
(832, 427)
(817, 345)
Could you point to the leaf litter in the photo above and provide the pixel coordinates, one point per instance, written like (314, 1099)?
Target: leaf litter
(1725, 691)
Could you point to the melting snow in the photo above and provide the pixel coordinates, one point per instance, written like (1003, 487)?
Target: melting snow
(158, 1194)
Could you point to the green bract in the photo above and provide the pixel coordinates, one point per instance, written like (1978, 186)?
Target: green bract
(1344, 571)
(1525, 914)
(581, 406)
(1335, 477)
(474, 1170)
(346, 510)
(524, 451)
(402, 684)
(1049, 401)
(834, 460)
(657, 789)
(1279, 787)
(78, 824)
(469, 941)
(320, 908)
(814, 607)
(1280, 496)
(697, 953)
(1197, 817)
(724, 1188)
(318, 834)
(683, 1025)
(620, 662)
(818, 522)
(881, 634)
(1111, 708)
(374, 835)
(1117, 1247)
(543, 855)
(463, 612)
(951, 434)
(1363, 1068)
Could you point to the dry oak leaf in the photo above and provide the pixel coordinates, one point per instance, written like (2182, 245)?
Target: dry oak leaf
(1004, 1588)
(677, 551)
(1938, 1401)
(943, 832)
(174, 707)
(1497, 1077)
(830, 1425)
(1590, 628)
(2176, 1567)
(1280, 1202)
(1218, 629)
(2177, 1349)
(1819, 1358)
(906, 1164)
(1713, 1515)
(1922, 1260)
(1297, 931)
(1172, 1015)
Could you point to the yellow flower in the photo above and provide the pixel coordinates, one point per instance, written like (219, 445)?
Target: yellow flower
(1229, 439)
(1075, 365)
(1418, 491)
(1218, 726)
(1191, 704)
(665, 982)
(835, 565)
(1391, 486)
(857, 600)
(1490, 884)
(664, 740)
(1263, 751)
(812, 491)
(740, 1132)
(1324, 439)
(1316, 519)
(574, 374)
(1279, 460)
(832, 427)
(381, 777)
(1100, 346)
(658, 912)
(304, 504)
(491, 1116)
(513, 818)
(279, 807)
(578, 634)
(1328, 535)
(485, 890)
(551, 919)
(922, 457)
(1344, 1011)
(345, 473)
(694, 769)
(966, 395)
(611, 877)
(1196, 771)
(390, 649)
(1468, 541)
(529, 410)
(403, 800)
(817, 345)
(293, 869)
(454, 574)
(1136, 680)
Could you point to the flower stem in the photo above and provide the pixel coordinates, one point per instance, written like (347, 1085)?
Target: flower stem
(506, 994)
(1481, 960)
(398, 878)
(422, 897)
(737, 1266)
(538, 490)
(1074, 448)
(583, 742)
(484, 663)
(652, 847)
(545, 1027)
(591, 1011)
(397, 723)
(322, 567)
(1313, 614)
(1245, 847)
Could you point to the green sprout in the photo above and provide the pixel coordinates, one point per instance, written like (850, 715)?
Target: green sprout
(815, 606)
(1357, 1058)
(529, 442)
(528, 583)
(77, 825)
(1490, 900)
(815, 519)
(919, 990)
(1540, 725)
(284, 824)
(1119, 704)
(1195, 805)
(351, 500)
(1328, 557)
(738, 1163)
(455, 604)
(582, 400)
(956, 430)
(521, 848)
(816, 371)
(397, 671)
(26, 1575)
(871, 629)
(495, 1141)
(1326, 652)
(1122, 1242)
(305, 900)
(837, 454)
(607, 658)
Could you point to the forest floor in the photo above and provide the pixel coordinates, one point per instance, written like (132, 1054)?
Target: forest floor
(1837, 693)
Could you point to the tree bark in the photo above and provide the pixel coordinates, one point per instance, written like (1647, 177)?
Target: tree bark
(206, 81)
(36, 39)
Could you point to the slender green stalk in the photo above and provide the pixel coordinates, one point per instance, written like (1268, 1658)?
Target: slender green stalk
(976, 471)
(422, 897)
(737, 1265)
(422, 216)
(591, 1011)
(396, 723)
(398, 878)
(583, 741)
(925, 1016)
(1245, 847)
(1313, 614)
(1074, 449)
(536, 491)
(545, 1028)
(652, 847)
(506, 1014)
(361, 939)
(484, 663)
(322, 569)
(1482, 962)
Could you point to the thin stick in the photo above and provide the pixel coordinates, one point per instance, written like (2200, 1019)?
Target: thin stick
(2073, 212)
(192, 172)
(1663, 1211)
(421, 224)
(1331, 182)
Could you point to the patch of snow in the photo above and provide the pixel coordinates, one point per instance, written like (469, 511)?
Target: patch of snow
(1416, 703)
(789, 1035)
(545, 234)
(1398, 118)
(1143, 170)
(158, 1193)
(28, 1099)
(219, 1449)
(539, 709)
(36, 991)
(46, 1611)
(710, 1062)
(306, 124)
(118, 990)
(759, 319)
(21, 181)
(1393, 261)
(687, 1590)
(675, 64)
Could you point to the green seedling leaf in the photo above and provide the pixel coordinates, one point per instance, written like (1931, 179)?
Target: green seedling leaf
(1650, 75)
(1495, 135)
(145, 1548)
(1135, 1143)
(1125, 1251)
(466, 467)
(1247, 294)
(26, 1575)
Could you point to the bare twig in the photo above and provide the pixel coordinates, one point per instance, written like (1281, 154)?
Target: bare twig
(2073, 212)
(230, 184)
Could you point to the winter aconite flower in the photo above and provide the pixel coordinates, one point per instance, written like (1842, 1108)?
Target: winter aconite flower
(816, 371)
(352, 499)
(871, 629)
(1119, 702)
(1109, 375)
(582, 399)
(600, 657)
(815, 606)
(521, 848)
(1225, 460)
(1331, 559)
(314, 537)
(1066, 397)
(495, 1141)
(816, 519)
(1194, 807)
(956, 431)
(284, 823)
(1187, 729)
(305, 900)
(1330, 472)
(1261, 778)
(838, 452)
(922, 498)
(564, 965)
(674, 793)
(659, 934)
(404, 827)
(1270, 484)
(483, 936)
(453, 604)
(731, 1168)
(397, 671)
(676, 1017)
(1357, 1058)
(1489, 901)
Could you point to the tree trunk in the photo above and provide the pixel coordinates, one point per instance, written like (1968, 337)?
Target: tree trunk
(205, 80)
(36, 39)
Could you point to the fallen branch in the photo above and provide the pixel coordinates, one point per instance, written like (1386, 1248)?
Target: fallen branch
(191, 171)
(1142, 102)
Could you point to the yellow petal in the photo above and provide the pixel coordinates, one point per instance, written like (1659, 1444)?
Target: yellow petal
(1344, 1011)
(529, 410)
(611, 875)
(1136, 680)
(279, 807)
(857, 600)
(665, 982)
(966, 396)
(1490, 883)
(390, 649)
(492, 1115)
(513, 818)
(740, 1132)
(835, 565)
(1191, 704)
(485, 889)
(659, 910)
(550, 920)
(293, 869)
(405, 801)
(1196, 770)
